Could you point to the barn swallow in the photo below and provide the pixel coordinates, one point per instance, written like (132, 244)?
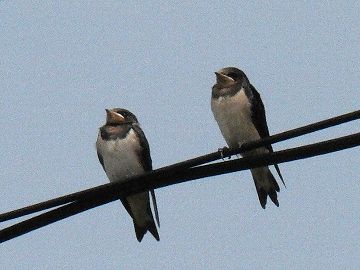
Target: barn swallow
(240, 114)
(124, 152)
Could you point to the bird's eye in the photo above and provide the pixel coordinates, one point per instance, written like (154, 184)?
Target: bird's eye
(233, 75)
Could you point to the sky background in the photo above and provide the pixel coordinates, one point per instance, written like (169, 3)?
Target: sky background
(63, 62)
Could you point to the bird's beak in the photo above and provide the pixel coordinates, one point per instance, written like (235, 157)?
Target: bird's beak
(114, 117)
(223, 80)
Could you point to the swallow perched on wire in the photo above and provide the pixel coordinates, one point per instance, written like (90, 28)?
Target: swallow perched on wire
(240, 114)
(123, 152)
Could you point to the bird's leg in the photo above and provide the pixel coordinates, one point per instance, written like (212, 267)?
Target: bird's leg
(240, 145)
(224, 152)
(220, 150)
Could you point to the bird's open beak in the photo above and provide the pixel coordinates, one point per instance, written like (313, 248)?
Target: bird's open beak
(223, 80)
(114, 117)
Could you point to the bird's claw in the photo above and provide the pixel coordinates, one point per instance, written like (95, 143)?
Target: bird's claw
(222, 150)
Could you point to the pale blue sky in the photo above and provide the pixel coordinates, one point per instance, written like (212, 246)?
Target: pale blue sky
(63, 62)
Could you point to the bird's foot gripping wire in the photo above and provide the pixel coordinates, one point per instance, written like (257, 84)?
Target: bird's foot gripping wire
(224, 152)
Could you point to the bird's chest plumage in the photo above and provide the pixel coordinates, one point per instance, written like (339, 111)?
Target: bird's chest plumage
(233, 115)
(120, 156)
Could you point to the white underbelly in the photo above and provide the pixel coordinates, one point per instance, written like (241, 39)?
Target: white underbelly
(233, 115)
(121, 162)
(120, 158)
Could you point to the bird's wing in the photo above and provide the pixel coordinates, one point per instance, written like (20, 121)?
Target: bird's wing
(127, 206)
(144, 153)
(258, 115)
(101, 159)
(259, 121)
(146, 161)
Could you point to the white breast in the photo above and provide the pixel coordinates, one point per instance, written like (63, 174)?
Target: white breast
(121, 161)
(233, 115)
(120, 157)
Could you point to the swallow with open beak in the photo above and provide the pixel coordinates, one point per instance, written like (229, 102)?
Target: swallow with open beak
(240, 114)
(124, 152)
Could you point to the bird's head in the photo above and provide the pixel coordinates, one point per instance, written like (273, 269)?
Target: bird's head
(229, 76)
(119, 116)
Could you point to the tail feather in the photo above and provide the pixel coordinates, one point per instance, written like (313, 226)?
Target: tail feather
(140, 231)
(147, 225)
(153, 198)
(139, 208)
(266, 185)
(152, 229)
(279, 173)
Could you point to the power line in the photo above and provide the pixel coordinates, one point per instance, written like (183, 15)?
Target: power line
(189, 163)
(113, 191)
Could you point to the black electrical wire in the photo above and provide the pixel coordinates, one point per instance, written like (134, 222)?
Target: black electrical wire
(114, 191)
(189, 163)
